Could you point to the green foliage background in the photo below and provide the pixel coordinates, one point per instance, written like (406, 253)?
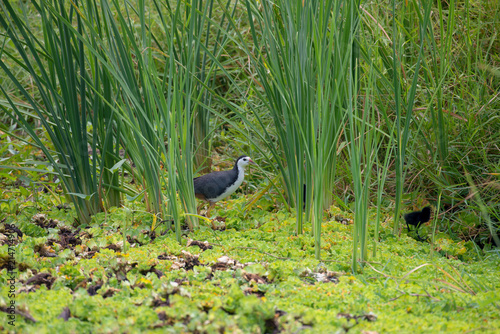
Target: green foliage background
(108, 110)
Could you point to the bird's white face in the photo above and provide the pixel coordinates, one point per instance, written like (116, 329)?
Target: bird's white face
(245, 161)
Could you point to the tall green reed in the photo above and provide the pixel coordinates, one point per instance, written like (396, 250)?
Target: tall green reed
(458, 112)
(364, 140)
(127, 58)
(302, 58)
(193, 67)
(404, 107)
(145, 95)
(66, 103)
(165, 69)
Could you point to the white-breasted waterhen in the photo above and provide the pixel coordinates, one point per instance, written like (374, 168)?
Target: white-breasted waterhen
(417, 218)
(213, 187)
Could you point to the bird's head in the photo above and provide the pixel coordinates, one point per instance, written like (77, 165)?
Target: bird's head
(244, 161)
(426, 213)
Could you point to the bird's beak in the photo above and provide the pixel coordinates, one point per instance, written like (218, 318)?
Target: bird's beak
(252, 162)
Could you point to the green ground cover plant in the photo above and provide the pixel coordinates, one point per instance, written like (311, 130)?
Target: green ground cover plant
(355, 113)
(253, 277)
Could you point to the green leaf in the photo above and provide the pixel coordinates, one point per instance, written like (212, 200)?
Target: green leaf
(117, 165)
(82, 196)
(24, 191)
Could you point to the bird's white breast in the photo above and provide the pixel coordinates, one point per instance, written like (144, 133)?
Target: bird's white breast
(232, 188)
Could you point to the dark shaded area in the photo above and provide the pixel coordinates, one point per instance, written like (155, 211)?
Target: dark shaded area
(65, 314)
(5, 262)
(162, 316)
(92, 290)
(109, 293)
(90, 254)
(64, 207)
(204, 245)
(343, 220)
(42, 221)
(167, 321)
(253, 291)
(25, 315)
(368, 317)
(256, 278)
(163, 298)
(159, 301)
(114, 247)
(44, 251)
(163, 256)
(484, 236)
(186, 261)
(362, 317)
(190, 260)
(272, 325)
(158, 273)
(68, 238)
(12, 229)
(121, 269)
(41, 278)
(134, 240)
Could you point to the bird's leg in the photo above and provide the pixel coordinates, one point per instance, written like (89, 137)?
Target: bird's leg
(408, 227)
(198, 209)
(212, 204)
(419, 237)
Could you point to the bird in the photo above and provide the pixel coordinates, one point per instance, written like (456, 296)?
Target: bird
(417, 218)
(213, 187)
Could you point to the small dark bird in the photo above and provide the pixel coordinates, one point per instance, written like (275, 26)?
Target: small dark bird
(417, 218)
(213, 187)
